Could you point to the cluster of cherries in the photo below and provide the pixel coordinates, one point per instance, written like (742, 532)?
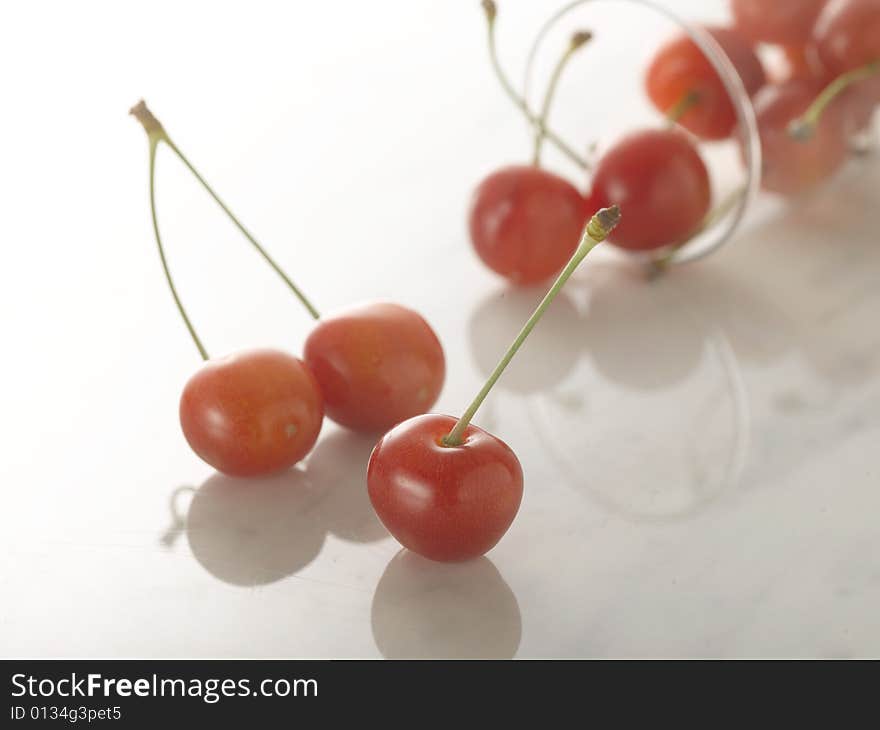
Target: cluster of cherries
(443, 487)
(525, 221)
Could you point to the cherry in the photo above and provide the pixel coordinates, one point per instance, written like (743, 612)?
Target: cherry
(794, 165)
(847, 38)
(847, 34)
(445, 488)
(377, 365)
(444, 503)
(252, 413)
(249, 414)
(799, 62)
(783, 22)
(683, 81)
(661, 184)
(525, 222)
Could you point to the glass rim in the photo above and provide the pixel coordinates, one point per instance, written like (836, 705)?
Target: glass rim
(730, 221)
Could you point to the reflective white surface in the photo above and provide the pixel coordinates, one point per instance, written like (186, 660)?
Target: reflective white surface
(700, 452)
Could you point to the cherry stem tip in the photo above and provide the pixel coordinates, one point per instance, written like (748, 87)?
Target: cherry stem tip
(142, 113)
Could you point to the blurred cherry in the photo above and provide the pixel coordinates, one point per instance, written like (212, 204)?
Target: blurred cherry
(525, 222)
(661, 184)
(682, 81)
(847, 37)
(799, 62)
(790, 165)
(781, 22)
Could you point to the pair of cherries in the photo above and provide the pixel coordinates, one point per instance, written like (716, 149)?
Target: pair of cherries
(807, 120)
(259, 412)
(524, 220)
(445, 488)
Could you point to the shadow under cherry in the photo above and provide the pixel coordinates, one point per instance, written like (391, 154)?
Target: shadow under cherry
(252, 532)
(424, 609)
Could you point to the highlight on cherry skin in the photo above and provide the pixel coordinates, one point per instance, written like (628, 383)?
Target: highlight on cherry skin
(376, 364)
(445, 488)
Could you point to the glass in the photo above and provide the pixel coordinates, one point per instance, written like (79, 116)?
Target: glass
(734, 185)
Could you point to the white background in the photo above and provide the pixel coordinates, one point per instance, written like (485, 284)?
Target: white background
(700, 452)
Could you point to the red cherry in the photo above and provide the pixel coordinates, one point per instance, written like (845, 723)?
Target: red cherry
(847, 36)
(445, 488)
(661, 184)
(783, 22)
(377, 365)
(446, 503)
(792, 165)
(525, 222)
(680, 71)
(252, 413)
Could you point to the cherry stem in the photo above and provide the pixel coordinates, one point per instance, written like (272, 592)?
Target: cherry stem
(535, 121)
(578, 40)
(804, 127)
(682, 107)
(156, 132)
(596, 231)
(154, 143)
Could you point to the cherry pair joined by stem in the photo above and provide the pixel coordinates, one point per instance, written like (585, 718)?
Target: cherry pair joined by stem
(259, 412)
(445, 488)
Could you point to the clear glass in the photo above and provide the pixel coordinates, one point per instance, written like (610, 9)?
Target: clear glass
(735, 175)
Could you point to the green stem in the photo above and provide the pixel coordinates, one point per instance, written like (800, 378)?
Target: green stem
(245, 232)
(577, 41)
(157, 134)
(595, 232)
(535, 121)
(154, 138)
(804, 127)
(682, 107)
